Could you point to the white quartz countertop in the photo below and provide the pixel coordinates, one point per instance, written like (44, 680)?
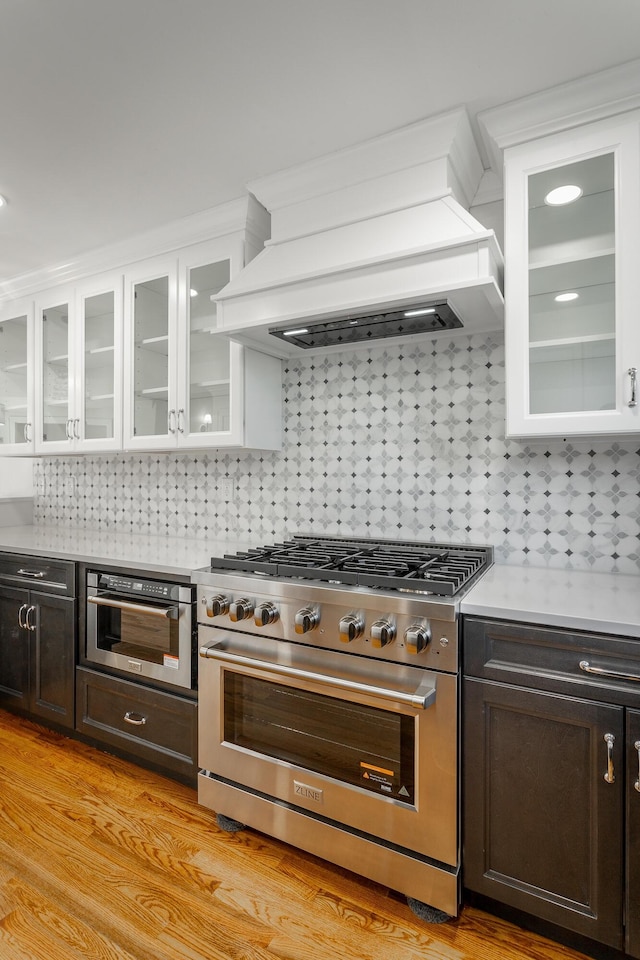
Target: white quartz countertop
(170, 555)
(575, 599)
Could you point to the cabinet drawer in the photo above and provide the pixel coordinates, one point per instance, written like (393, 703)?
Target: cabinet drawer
(156, 727)
(546, 659)
(39, 573)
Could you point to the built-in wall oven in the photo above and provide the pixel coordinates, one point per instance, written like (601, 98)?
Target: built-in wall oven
(329, 707)
(141, 627)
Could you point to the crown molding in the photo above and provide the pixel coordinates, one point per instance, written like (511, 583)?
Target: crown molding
(589, 98)
(244, 215)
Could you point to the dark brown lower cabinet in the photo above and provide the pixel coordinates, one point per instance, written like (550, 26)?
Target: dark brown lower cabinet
(551, 785)
(156, 728)
(37, 652)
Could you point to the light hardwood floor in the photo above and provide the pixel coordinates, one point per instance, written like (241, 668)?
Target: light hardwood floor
(100, 859)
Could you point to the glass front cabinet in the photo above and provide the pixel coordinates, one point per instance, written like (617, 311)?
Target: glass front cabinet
(78, 386)
(16, 379)
(189, 386)
(572, 285)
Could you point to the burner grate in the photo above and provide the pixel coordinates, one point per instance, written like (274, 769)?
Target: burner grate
(426, 568)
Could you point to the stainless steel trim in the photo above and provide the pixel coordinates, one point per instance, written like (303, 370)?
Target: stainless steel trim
(609, 739)
(423, 697)
(36, 574)
(586, 667)
(162, 612)
(396, 868)
(633, 373)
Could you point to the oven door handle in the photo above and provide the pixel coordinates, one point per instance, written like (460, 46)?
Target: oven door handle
(162, 612)
(423, 697)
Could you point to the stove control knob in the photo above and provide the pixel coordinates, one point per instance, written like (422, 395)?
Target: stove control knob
(216, 606)
(305, 620)
(382, 633)
(416, 638)
(240, 610)
(351, 627)
(265, 614)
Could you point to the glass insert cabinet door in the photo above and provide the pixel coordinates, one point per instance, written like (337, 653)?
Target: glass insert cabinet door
(151, 371)
(572, 283)
(15, 380)
(99, 402)
(55, 410)
(209, 372)
(572, 287)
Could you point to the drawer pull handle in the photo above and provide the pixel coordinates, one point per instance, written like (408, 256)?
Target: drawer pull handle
(609, 739)
(36, 574)
(637, 783)
(135, 718)
(586, 667)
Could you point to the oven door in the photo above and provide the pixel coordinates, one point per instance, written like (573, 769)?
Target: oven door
(366, 744)
(147, 638)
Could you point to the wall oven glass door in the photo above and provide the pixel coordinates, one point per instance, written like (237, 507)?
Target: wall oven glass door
(367, 744)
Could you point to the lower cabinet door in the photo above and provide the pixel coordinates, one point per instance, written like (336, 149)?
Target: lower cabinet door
(14, 648)
(52, 681)
(158, 728)
(543, 806)
(632, 944)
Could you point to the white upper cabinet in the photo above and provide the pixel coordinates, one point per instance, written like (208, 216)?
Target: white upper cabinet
(187, 385)
(572, 283)
(78, 364)
(16, 379)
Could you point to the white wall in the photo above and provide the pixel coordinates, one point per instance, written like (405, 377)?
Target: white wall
(16, 477)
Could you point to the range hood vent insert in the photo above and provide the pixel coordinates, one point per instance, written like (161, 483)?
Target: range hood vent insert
(425, 318)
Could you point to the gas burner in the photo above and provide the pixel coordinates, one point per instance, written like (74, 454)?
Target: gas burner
(432, 568)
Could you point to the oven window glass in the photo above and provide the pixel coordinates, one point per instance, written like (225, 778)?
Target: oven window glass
(350, 742)
(146, 635)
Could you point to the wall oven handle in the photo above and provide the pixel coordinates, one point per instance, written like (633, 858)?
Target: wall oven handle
(423, 697)
(162, 612)
(586, 667)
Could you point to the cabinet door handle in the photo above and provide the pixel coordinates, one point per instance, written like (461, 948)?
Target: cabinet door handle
(637, 748)
(180, 420)
(172, 421)
(76, 428)
(586, 667)
(29, 624)
(633, 374)
(21, 621)
(136, 719)
(26, 431)
(609, 739)
(69, 429)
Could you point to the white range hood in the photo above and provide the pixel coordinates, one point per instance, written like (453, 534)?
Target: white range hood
(363, 236)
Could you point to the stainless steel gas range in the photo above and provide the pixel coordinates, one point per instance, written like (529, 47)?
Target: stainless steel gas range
(329, 703)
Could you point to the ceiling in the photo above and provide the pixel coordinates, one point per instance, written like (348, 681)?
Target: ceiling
(118, 116)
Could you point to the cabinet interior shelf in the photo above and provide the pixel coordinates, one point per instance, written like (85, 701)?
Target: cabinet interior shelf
(155, 344)
(150, 391)
(572, 341)
(101, 396)
(108, 349)
(15, 366)
(60, 358)
(574, 257)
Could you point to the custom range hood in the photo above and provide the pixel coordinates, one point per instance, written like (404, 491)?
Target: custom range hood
(372, 242)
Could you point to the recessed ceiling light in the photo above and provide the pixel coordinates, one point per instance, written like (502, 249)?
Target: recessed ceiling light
(566, 297)
(193, 293)
(565, 194)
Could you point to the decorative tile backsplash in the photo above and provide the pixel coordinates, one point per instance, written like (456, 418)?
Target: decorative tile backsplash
(403, 441)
